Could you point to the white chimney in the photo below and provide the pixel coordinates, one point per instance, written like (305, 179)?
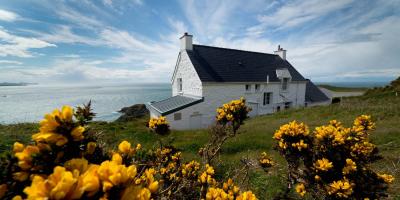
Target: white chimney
(186, 42)
(281, 52)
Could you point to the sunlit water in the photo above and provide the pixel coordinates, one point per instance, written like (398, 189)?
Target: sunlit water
(30, 103)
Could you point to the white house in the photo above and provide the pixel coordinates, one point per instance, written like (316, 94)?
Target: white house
(205, 77)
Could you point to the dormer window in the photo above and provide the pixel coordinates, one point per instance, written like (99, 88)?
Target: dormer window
(248, 88)
(285, 83)
(180, 85)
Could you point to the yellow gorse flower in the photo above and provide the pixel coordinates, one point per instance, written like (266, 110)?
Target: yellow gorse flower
(91, 147)
(25, 156)
(154, 122)
(50, 124)
(296, 132)
(248, 195)
(341, 188)
(386, 177)
(124, 147)
(59, 185)
(207, 176)
(231, 111)
(323, 165)
(301, 189)
(113, 173)
(349, 167)
(265, 161)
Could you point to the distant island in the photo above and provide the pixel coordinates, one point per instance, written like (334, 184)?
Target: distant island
(16, 84)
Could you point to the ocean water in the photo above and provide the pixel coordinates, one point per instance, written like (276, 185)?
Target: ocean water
(30, 103)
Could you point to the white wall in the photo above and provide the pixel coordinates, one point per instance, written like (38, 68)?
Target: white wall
(216, 94)
(191, 84)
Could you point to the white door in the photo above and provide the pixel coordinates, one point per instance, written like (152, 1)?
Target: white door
(195, 121)
(254, 109)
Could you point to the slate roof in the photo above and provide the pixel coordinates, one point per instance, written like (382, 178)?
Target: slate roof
(314, 94)
(175, 103)
(215, 64)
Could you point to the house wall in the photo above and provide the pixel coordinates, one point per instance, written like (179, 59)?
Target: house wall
(216, 94)
(191, 84)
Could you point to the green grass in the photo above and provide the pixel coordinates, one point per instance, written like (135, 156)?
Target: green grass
(256, 136)
(343, 89)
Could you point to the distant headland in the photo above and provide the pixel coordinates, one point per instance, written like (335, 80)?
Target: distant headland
(16, 84)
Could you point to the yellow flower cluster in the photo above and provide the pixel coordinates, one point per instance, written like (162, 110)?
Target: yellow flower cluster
(125, 148)
(323, 165)
(25, 155)
(229, 191)
(334, 133)
(78, 177)
(301, 189)
(290, 132)
(63, 184)
(349, 167)
(386, 177)
(49, 128)
(155, 122)
(363, 148)
(265, 161)
(190, 169)
(341, 188)
(232, 111)
(207, 176)
(159, 125)
(363, 123)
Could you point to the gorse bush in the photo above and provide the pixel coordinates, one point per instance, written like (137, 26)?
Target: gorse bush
(333, 161)
(66, 160)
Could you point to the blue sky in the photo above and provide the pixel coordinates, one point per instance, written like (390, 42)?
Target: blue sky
(83, 41)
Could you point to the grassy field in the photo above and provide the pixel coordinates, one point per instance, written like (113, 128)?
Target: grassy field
(256, 136)
(343, 89)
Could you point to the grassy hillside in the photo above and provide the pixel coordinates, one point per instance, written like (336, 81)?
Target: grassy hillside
(256, 136)
(343, 89)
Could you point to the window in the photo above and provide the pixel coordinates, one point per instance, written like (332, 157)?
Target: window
(177, 116)
(267, 98)
(285, 82)
(248, 88)
(179, 84)
(287, 105)
(257, 87)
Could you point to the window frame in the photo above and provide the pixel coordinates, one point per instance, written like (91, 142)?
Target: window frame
(248, 87)
(180, 85)
(177, 116)
(267, 101)
(285, 84)
(257, 87)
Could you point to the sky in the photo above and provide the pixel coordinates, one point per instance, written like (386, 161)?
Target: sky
(137, 41)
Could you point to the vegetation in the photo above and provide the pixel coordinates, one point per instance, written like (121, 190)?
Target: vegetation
(240, 154)
(343, 89)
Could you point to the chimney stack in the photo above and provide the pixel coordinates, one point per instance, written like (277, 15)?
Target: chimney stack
(186, 42)
(281, 52)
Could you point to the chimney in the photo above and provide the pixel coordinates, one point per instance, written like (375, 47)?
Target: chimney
(186, 42)
(281, 52)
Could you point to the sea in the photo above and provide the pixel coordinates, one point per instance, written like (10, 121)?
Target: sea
(29, 103)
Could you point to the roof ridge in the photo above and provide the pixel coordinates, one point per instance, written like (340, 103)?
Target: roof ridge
(247, 51)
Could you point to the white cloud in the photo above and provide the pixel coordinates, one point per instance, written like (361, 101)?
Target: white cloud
(10, 62)
(65, 34)
(8, 16)
(295, 14)
(13, 45)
